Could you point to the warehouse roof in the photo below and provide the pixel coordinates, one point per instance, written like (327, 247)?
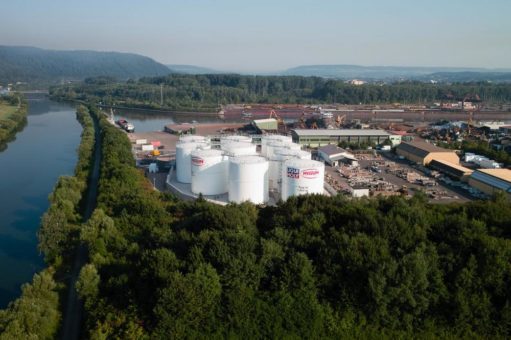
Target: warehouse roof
(452, 165)
(421, 149)
(341, 132)
(450, 168)
(331, 150)
(265, 120)
(502, 174)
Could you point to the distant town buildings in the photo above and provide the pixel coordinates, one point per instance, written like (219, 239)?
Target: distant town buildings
(356, 82)
(4, 90)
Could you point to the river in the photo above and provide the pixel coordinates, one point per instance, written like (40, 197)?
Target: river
(29, 169)
(146, 121)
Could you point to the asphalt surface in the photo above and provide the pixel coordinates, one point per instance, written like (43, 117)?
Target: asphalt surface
(73, 313)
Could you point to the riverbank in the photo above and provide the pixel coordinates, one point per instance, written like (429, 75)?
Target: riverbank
(59, 239)
(13, 118)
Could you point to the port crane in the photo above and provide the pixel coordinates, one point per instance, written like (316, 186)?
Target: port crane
(302, 121)
(340, 120)
(279, 119)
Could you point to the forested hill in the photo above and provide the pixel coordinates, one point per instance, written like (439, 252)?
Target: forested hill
(30, 64)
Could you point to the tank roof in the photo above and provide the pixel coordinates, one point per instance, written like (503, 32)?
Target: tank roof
(304, 163)
(191, 144)
(207, 152)
(248, 160)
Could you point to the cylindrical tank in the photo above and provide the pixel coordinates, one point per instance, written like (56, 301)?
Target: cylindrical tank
(248, 179)
(192, 138)
(301, 177)
(272, 145)
(276, 161)
(209, 172)
(267, 138)
(235, 138)
(183, 159)
(234, 149)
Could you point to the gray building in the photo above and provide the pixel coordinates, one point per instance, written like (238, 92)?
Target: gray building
(316, 138)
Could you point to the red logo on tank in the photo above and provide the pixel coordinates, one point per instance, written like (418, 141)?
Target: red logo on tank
(310, 173)
(197, 161)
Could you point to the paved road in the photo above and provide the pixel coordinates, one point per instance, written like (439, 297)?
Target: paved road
(72, 323)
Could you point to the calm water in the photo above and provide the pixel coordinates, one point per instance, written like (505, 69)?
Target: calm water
(149, 121)
(29, 168)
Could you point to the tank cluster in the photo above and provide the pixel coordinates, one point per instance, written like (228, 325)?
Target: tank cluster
(246, 175)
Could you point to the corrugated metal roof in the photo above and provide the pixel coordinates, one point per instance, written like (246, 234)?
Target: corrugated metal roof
(331, 149)
(341, 132)
(266, 120)
(451, 165)
(502, 174)
(491, 180)
(450, 168)
(421, 149)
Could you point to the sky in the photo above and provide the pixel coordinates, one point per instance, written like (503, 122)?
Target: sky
(266, 36)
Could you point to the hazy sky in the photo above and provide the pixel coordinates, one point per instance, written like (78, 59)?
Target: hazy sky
(268, 35)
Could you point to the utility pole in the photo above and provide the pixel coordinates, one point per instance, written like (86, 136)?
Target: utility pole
(161, 94)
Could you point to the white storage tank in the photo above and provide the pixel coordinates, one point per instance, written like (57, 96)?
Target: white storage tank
(235, 138)
(209, 172)
(268, 138)
(183, 159)
(272, 145)
(301, 177)
(192, 138)
(277, 159)
(248, 179)
(235, 149)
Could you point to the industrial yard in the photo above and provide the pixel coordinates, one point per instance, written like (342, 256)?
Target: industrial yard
(393, 151)
(386, 175)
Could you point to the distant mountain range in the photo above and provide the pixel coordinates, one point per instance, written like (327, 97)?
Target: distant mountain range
(385, 73)
(36, 65)
(30, 64)
(377, 73)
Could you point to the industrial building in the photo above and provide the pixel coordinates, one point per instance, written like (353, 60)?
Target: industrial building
(237, 173)
(491, 181)
(423, 153)
(268, 124)
(332, 154)
(179, 129)
(320, 137)
(452, 170)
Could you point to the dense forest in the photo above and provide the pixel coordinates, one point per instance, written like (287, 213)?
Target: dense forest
(13, 118)
(312, 267)
(40, 66)
(206, 92)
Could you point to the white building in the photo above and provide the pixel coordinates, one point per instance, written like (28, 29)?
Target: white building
(332, 154)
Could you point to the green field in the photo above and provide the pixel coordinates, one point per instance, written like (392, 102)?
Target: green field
(6, 110)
